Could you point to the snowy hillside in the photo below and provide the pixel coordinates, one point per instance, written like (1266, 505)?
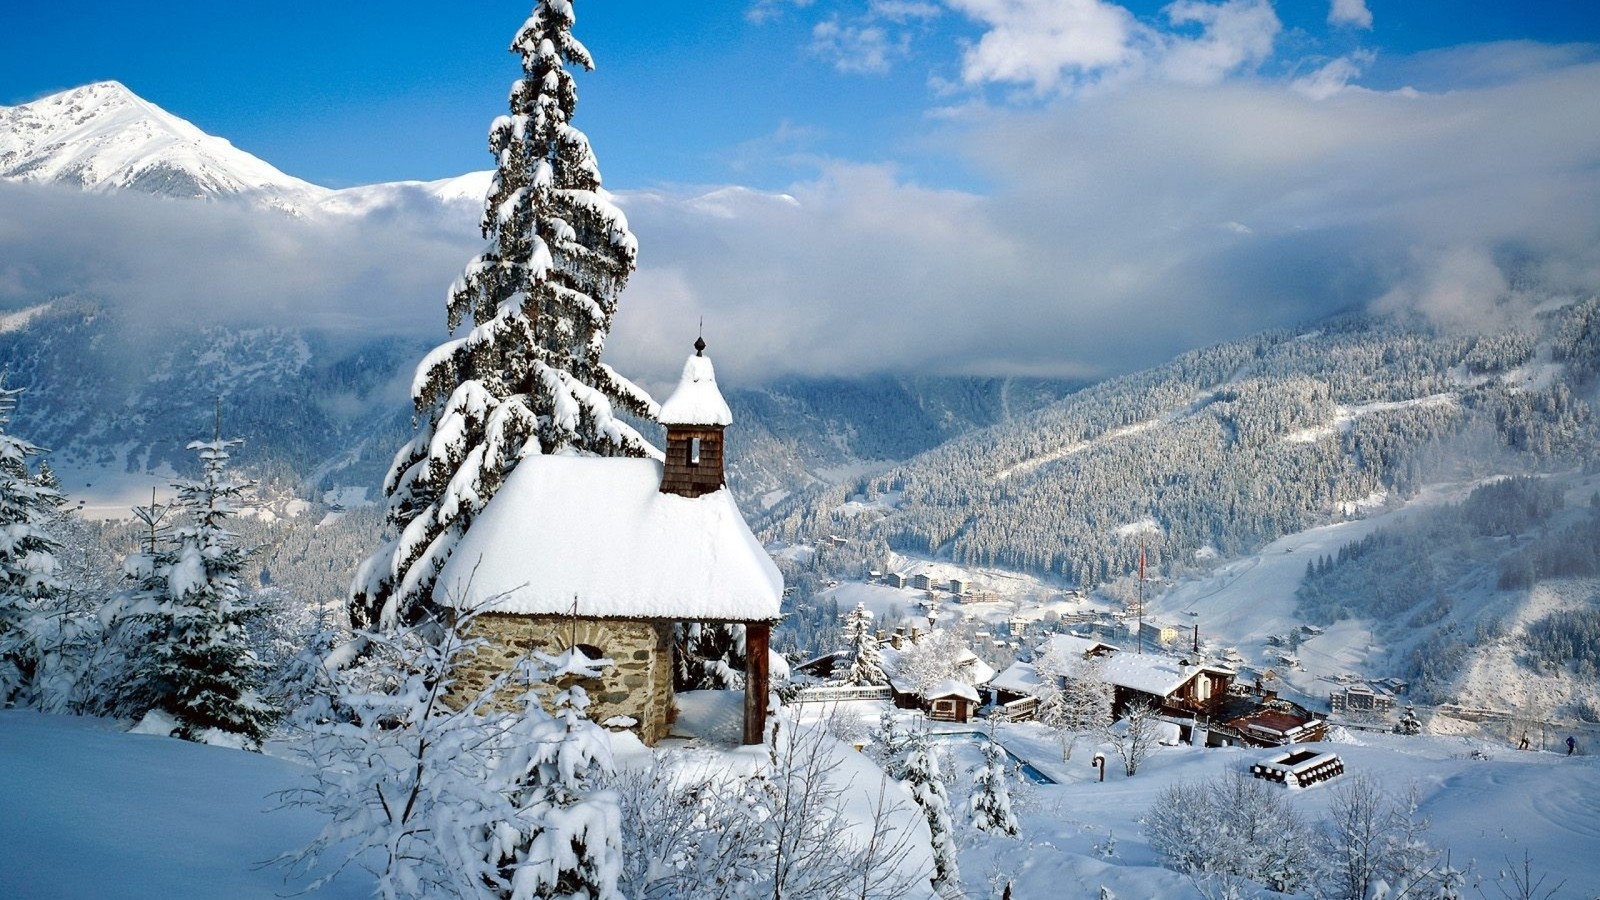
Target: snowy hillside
(103, 137)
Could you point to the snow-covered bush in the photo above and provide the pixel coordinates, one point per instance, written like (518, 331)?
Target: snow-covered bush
(1372, 844)
(921, 774)
(933, 658)
(1235, 827)
(563, 836)
(1074, 700)
(403, 777)
(691, 827)
(814, 851)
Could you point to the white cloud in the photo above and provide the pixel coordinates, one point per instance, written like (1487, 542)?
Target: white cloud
(1044, 42)
(1332, 77)
(1234, 35)
(1350, 12)
(1050, 45)
(1460, 287)
(1129, 225)
(1123, 226)
(859, 49)
(762, 11)
(872, 42)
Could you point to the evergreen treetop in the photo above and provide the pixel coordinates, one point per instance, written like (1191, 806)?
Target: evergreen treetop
(527, 377)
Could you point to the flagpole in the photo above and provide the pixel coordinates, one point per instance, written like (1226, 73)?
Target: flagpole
(1139, 635)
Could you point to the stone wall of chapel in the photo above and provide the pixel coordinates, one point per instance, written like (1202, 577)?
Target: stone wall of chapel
(639, 685)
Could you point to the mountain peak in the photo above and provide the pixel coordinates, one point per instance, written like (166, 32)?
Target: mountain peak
(103, 137)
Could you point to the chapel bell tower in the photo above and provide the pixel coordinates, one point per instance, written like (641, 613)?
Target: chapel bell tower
(695, 416)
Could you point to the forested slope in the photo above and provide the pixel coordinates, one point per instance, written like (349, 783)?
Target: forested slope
(1228, 447)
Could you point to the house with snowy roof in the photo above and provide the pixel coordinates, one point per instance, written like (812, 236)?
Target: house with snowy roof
(610, 554)
(964, 668)
(1177, 687)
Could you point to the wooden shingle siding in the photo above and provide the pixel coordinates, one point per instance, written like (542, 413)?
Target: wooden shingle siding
(680, 474)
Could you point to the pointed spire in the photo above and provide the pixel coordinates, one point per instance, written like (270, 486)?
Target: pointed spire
(696, 400)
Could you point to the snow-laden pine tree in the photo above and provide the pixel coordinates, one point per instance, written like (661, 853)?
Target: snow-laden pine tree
(990, 805)
(197, 668)
(527, 377)
(921, 776)
(564, 839)
(27, 561)
(866, 663)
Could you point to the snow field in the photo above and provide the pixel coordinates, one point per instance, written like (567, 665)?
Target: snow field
(163, 818)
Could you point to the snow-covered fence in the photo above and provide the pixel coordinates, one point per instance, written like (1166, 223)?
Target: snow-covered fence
(839, 693)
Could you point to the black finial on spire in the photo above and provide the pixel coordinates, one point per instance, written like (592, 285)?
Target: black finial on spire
(699, 346)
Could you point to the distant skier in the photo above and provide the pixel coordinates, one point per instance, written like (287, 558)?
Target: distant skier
(1572, 744)
(1524, 745)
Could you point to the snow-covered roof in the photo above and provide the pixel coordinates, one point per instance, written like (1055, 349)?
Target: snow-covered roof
(1070, 646)
(696, 400)
(950, 687)
(1017, 678)
(599, 531)
(1151, 673)
(974, 670)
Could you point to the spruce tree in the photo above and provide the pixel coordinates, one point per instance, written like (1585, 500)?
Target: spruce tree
(866, 663)
(991, 797)
(920, 773)
(527, 377)
(27, 561)
(197, 666)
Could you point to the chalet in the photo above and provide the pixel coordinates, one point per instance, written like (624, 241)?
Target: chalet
(894, 580)
(922, 582)
(968, 670)
(1014, 693)
(957, 586)
(1177, 687)
(823, 667)
(951, 700)
(610, 554)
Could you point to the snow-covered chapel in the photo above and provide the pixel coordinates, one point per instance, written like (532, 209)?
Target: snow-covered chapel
(610, 553)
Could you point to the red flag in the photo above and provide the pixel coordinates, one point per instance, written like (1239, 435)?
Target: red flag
(1141, 560)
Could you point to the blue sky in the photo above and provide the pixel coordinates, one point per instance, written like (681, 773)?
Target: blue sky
(1059, 187)
(685, 93)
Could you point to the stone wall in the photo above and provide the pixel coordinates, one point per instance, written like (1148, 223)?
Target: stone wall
(639, 685)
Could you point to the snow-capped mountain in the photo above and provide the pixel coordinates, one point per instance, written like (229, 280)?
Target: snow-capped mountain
(103, 137)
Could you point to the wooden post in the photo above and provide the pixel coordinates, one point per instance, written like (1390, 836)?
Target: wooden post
(757, 636)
